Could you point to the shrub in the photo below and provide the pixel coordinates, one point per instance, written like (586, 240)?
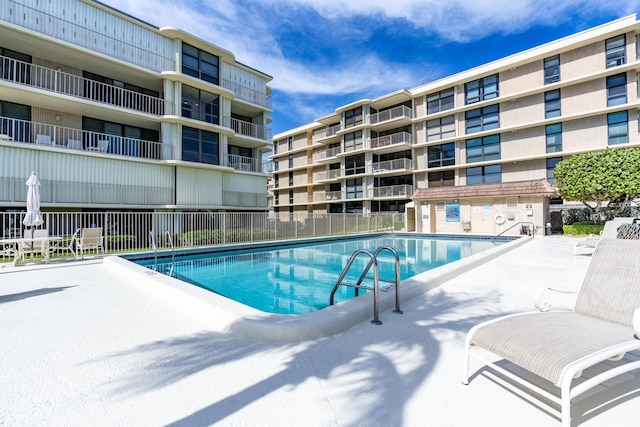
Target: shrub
(582, 228)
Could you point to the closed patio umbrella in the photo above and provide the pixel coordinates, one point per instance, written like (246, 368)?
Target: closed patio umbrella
(33, 218)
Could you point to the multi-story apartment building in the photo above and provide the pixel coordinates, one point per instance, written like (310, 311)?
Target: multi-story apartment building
(116, 114)
(474, 151)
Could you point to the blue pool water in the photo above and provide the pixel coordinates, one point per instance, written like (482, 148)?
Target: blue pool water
(298, 278)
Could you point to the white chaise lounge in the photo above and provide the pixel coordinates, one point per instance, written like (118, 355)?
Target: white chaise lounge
(559, 346)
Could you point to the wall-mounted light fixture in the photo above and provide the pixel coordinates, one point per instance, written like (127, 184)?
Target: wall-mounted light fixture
(456, 200)
(58, 118)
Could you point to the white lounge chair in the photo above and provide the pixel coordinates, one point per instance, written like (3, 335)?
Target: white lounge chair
(559, 346)
(30, 247)
(90, 239)
(609, 231)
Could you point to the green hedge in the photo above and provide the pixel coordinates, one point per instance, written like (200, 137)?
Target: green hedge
(582, 228)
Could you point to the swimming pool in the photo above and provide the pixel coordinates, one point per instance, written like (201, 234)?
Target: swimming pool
(298, 278)
(225, 315)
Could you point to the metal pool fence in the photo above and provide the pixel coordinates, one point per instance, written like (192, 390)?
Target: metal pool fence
(131, 231)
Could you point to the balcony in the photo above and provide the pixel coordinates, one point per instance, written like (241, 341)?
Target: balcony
(24, 73)
(64, 138)
(388, 119)
(327, 175)
(324, 133)
(393, 191)
(393, 166)
(328, 154)
(246, 94)
(327, 196)
(244, 164)
(249, 129)
(45, 23)
(392, 142)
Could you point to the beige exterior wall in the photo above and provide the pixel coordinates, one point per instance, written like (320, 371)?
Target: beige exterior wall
(588, 96)
(523, 143)
(521, 78)
(581, 61)
(522, 111)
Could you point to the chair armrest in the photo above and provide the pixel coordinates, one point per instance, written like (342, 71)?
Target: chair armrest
(540, 302)
(636, 322)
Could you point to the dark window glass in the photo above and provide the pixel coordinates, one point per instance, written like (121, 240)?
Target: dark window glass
(552, 69)
(200, 146)
(617, 90)
(483, 149)
(554, 138)
(482, 119)
(552, 104)
(618, 128)
(441, 155)
(615, 51)
(481, 89)
(440, 101)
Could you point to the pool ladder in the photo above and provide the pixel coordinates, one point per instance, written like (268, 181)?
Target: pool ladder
(152, 240)
(373, 261)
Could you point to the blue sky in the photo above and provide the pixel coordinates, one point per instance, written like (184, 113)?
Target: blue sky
(323, 54)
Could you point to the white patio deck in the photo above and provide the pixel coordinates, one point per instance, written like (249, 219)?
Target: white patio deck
(78, 347)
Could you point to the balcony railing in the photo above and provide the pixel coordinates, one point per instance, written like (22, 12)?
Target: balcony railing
(242, 163)
(389, 140)
(391, 114)
(318, 156)
(327, 132)
(327, 175)
(393, 165)
(247, 94)
(252, 130)
(61, 137)
(393, 191)
(69, 84)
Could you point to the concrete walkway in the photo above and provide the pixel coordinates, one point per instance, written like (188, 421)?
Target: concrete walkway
(79, 347)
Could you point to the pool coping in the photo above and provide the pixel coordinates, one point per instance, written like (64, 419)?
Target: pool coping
(228, 316)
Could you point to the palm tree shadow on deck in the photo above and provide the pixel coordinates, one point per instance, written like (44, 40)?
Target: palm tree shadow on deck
(366, 350)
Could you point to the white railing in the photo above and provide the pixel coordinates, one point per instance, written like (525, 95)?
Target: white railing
(393, 165)
(393, 191)
(126, 232)
(27, 17)
(393, 139)
(327, 132)
(326, 154)
(69, 84)
(61, 137)
(243, 163)
(248, 129)
(391, 114)
(247, 94)
(327, 175)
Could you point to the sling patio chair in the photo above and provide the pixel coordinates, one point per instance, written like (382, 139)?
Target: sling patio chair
(559, 345)
(90, 239)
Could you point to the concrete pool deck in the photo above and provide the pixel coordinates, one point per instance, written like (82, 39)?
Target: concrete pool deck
(80, 346)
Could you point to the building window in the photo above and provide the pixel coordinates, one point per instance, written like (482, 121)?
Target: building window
(441, 179)
(552, 104)
(482, 119)
(200, 105)
(290, 143)
(483, 149)
(353, 141)
(552, 69)
(441, 155)
(123, 139)
(440, 101)
(354, 188)
(276, 181)
(617, 90)
(200, 146)
(484, 175)
(444, 127)
(276, 198)
(554, 138)
(290, 198)
(354, 165)
(615, 51)
(481, 89)
(18, 129)
(618, 128)
(353, 117)
(200, 64)
(551, 164)
(290, 161)
(290, 179)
